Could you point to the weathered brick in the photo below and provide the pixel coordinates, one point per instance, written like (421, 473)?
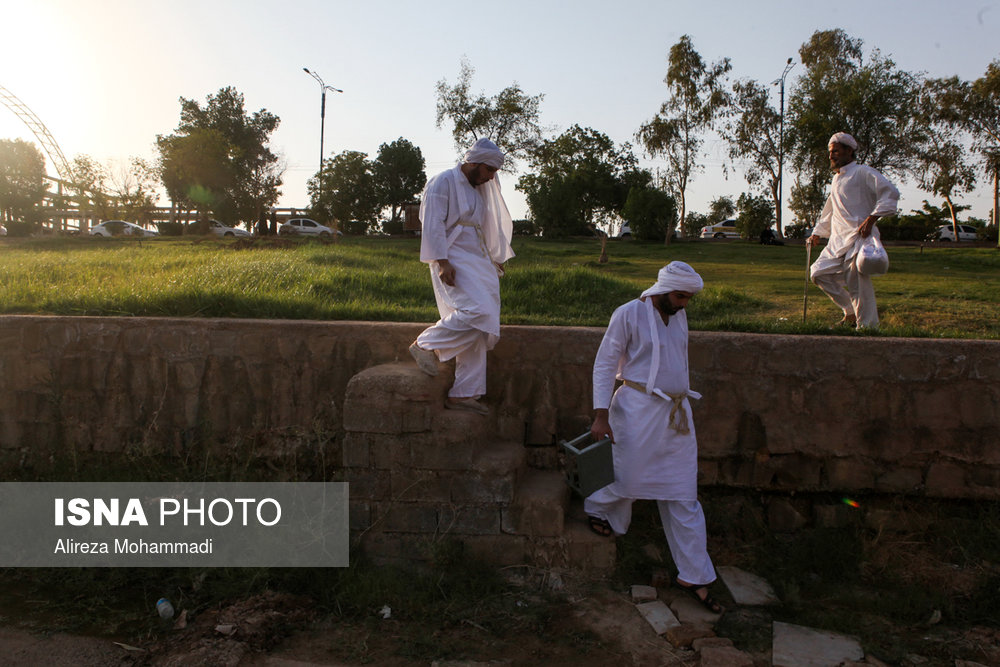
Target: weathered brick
(420, 485)
(470, 520)
(849, 475)
(407, 517)
(900, 480)
(475, 488)
(539, 507)
(946, 480)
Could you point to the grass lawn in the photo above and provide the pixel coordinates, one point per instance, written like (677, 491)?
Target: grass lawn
(934, 291)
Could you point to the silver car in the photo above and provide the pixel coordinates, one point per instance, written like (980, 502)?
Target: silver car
(309, 227)
(121, 228)
(220, 229)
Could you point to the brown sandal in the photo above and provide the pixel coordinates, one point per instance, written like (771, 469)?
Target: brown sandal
(600, 526)
(707, 601)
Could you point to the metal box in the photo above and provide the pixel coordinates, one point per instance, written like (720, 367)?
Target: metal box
(589, 465)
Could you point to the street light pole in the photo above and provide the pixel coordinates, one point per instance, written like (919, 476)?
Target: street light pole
(781, 140)
(322, 122)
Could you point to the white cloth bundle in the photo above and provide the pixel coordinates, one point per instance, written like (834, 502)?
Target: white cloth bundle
(872, 259)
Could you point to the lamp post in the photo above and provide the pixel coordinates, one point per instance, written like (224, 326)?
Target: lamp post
(781, 139)
(322, 121)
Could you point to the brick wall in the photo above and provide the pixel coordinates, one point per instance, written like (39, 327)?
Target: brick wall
(779, 413)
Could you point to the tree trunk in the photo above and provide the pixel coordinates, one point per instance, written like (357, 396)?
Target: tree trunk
(670, 232)
(996, 201)
(954, 220)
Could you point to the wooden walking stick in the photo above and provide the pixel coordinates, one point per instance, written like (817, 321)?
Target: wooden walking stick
(805, 288)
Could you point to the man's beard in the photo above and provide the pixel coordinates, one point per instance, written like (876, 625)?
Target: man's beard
(667, 309)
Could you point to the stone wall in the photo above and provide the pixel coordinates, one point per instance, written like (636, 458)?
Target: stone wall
(781, 413)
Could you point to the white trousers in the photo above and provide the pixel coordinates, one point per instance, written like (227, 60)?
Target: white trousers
(452, 338)
(683, 525)
(851, 290)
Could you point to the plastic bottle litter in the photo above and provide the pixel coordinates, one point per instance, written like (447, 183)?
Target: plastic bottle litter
(165, 609)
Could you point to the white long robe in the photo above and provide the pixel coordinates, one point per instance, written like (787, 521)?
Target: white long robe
(652, 460)
(450, 200)
(857, 191)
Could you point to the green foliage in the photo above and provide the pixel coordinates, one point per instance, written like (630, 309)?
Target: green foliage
(218, 159)
(651, 213)
(754, 215)
(719, 209)
(22, 180)
(693, 224)
(509, 118)
(398, 174)
(753, 132)
(581, 178)
(844, 91)
(525, 228)
(349, 193)
(696, 96)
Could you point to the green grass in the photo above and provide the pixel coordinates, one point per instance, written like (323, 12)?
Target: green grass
(929, 292)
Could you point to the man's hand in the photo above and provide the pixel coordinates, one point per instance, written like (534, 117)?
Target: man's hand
(601, 428)
(446, 272)
(866, 226)
(813, 240)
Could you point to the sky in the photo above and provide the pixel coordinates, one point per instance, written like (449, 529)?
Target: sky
(105, 76)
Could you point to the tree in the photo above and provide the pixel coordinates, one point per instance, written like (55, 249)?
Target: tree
(697, 95)
(399, 176)
(22, 180)
(350, 195)
(940, 162)
(582, 179)
(509, 118)
(720, 208)
(133, 188)
(196, 170)
(842, 91)
(807, 198)
(651, 213)
(753, 133)
(754, 215)
(975, 107)
(693, 224)
(218, 158)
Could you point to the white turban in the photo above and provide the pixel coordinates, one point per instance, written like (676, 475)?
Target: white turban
(486, 152)
(676, 277)
(845, 139)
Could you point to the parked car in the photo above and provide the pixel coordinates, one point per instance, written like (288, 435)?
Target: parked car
(946, 233)
(721, 230)
(220, 229)
(625, 232)
(3, 231)
(120, 228)
(307, 226)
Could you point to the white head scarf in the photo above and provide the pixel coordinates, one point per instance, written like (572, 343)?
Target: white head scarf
(486, 152)
(845, 139)
(676, 277)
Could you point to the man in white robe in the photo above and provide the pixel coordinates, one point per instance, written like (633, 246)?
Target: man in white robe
(649, 420)
(859, 196)
(466, 240)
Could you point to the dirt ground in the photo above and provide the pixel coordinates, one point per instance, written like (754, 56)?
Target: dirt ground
(275, 630)
(590, 627)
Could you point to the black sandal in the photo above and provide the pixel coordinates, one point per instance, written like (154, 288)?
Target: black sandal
(600, 526)
(708, 601)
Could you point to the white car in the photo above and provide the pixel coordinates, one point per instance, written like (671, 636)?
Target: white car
(309, 227)
(120, 228)
(3, 231)
(721, 230)
(946, 233)
(625, 232)
(220, 229)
